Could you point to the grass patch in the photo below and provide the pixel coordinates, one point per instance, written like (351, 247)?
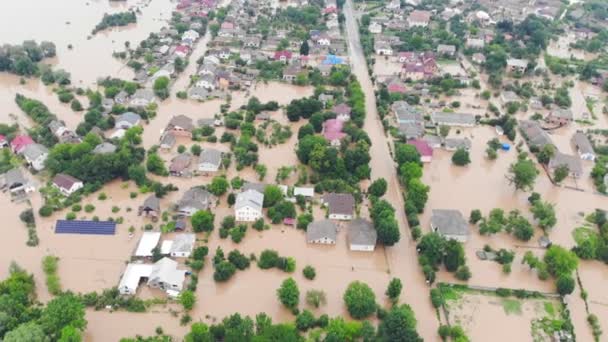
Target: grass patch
(450, 293)
(511, 306)
(49, 266)
(549, 308)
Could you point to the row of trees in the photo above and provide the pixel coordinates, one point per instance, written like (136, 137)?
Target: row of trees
(23, 59)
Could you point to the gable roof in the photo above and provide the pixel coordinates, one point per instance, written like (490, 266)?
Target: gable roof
(85, 227)
(64, 181)
(210, 156)
(14, 177)
(130, 117)
(582, 143)
(321, 229)
(152, 203)
(449, 222)
(249, 198)
(422, 147)
(34, 151)
(104, 148)
(195, 197)
(182, 121)
(147, 243)
(573, 163)
(362, 232)
(341, 204)
(183, 243)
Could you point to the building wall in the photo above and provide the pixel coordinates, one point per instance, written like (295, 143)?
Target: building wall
(340, 217)
(362, 248)
(323, 241)
(247, 214)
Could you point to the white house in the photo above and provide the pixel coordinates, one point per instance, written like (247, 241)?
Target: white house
(180, 247)
(362, 235)
(147, 243)
(67, 184)
(165, 275)
(248, 206)
(383, 49)
(35, 155)
(131, 277)
(375, 27)
(302, 191)
(206, 81)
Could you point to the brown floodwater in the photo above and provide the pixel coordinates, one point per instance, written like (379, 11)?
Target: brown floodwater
(71, 22)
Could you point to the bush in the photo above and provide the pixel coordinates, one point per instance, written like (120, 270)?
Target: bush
(437, 298)
(268, 259)
(45, 211)
(102, 196)
(565, 285)
(360, 300)
(461, 157)
(503, 292)
(475, 216)
(70, 216)
(316, 298)
(309, 272)
(463, 273)
(89, 208)
(305, 320)
(238, 259)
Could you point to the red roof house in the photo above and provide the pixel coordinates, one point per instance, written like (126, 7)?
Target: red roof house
(396, 87)
(332, 131)
(282, 56)
(20, 143)
(425, 150)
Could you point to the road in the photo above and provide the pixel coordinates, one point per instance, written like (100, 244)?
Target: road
(402, 257)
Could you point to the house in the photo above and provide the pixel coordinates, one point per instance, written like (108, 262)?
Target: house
(67, 184)
(325, 98)
(475, 43)
(362, 235)
(446, 50)
(323, 40)
(291, 73)
(248, 206)
(304, 191)
(209, 160)
(282, 56)
(375, 27)
(573, 164)
(259, 187)
(19, 143)
(35, 155)
(342, 111)
(393, 5)
(122, 97)
(517, 65)
(453, 144)
(127, 120)
(332, 131)
(167, 141)
(406, 113)
(434, 141)
(453, 119)
(206, 81)
(142, 98)
(180, 125)
(198, 93)
(104, 148)
(340, 206)
(129, 282)
(165, 275)
(182, 51)
(57, 128)
(180, 247)
(180, 164)
(322, 232)
(450, 224)
(151, 206)
(396, 87)
(383, 48)
(478, 58)
(419, 18)
(560, 116)
(193, 200)
(423, 148)
(534, 134)
(16, 183)
(508, 96)
(147, 243)
(252, 42)
(583, 146)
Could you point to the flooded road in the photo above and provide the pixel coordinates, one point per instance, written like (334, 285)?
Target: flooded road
(402, 257)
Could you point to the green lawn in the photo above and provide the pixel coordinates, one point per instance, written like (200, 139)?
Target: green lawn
(511, 306)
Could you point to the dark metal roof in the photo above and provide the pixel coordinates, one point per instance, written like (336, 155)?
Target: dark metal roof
(85, 227)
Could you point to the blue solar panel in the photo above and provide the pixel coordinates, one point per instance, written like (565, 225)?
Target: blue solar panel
(85, 227)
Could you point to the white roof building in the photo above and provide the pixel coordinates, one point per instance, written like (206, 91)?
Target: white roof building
(130, 279)
(306, 192)
(148, 241)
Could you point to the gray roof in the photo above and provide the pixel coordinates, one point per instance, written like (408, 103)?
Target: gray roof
(130, 117)
(456, 143)
(509, 96)
(449, 222)
(582, 143)
(572, 162)
(14, 177)
(182, 121)
(406, 113)
(362, 232)
(145, 94)
(168, 140)
(452, 118)
(165, 271)
(104, 148)
(183, 243)
(211, 156)
(249, 198)
(442, 48)
(534, 133)
(321, 229)
(411, 130)
(259, 187)
(563, 113)
(197, 198)
(341, 204)
(152, 202)
(55, 125)
(33, 151)
(520, 63)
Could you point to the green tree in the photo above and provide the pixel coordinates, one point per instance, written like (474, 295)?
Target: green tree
(202, 221)
(461, 157)
(187, 299)
(378, 187)
(315, 298)
(523, 174)
(219, 185)
(406, 153)
(272, 195)
(545, 154)
(199, 332)
(399, 325)
(289, 294)
(544, 212)
(454, 255)
(30, 331)
(360, 300)
(309, 272)
(560, 173)
(64, 310)
(565, 285)
(161, 87)
(305, 320)
(304, 48)
(560, 261)
(394, 289)
(156, 165)
(70, 334)
(444, 130)
(475, 216)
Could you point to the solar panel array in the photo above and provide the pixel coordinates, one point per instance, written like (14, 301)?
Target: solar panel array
(85, 227)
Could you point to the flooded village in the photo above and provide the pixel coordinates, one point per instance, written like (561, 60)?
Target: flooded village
(304, 170)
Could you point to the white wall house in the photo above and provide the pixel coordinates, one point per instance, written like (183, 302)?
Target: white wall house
(248, 206)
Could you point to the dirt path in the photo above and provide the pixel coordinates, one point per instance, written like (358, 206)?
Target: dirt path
(402, 258)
